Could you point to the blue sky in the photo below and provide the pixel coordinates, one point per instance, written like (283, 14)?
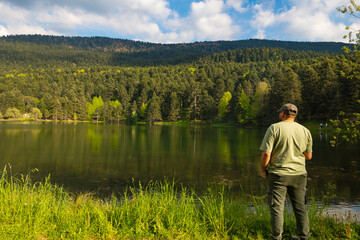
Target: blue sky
(175, 21)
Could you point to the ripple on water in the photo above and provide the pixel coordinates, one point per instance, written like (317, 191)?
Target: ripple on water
(344, 211)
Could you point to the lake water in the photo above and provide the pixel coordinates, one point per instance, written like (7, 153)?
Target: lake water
(107, 158)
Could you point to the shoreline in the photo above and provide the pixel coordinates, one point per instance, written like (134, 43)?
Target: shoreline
(312, 125)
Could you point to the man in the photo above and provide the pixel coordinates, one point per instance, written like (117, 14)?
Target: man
(285, 147)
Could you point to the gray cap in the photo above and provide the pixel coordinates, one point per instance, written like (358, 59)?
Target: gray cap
(289, 108)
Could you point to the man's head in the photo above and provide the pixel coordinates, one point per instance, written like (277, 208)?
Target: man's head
(287, 111)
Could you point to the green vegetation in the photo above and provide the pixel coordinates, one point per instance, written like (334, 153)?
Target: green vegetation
(346, 129)
(347, 124)
(61, 78)
(45, 51)
(160, 210)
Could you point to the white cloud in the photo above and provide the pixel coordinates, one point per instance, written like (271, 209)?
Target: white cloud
(154, 8)
(207, 7)
(263, 18)
(3, 31)
(130, 17)
(12, 15)
(209, 21)
(326, 6)
(148, 20)
(60, 15)
(317, 27)
(154, 21)
(14, 20)
(237, 5)
(312, 20)
(354, 28)
(260, 34)
(305, 20)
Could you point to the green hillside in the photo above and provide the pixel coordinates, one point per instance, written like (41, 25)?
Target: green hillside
(243, 82)
(39, 50)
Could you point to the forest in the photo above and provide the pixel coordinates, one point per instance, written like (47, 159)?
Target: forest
(242, 82)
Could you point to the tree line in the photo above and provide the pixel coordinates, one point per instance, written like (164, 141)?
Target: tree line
(60, 51)
(214, 88)
(106, 44)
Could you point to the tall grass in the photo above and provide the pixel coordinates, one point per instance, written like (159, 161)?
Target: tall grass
(160, 210)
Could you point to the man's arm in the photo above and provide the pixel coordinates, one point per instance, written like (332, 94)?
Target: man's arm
(308, 155)
(265, 158)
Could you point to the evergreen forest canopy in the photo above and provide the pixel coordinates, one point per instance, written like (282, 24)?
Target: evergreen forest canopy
(76, 78)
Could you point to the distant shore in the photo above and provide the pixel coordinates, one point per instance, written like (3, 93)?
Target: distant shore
(313, 125)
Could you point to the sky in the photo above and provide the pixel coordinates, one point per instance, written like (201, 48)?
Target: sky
(179, 21)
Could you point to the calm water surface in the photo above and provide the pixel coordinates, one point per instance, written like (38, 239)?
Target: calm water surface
(107, 158)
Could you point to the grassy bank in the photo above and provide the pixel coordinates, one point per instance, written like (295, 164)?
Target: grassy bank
(157, 211)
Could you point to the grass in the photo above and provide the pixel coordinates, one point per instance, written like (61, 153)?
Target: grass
(160, 210)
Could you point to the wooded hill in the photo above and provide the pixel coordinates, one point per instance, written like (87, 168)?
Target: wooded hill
(40, 50)
(121, 45)
(233, 81)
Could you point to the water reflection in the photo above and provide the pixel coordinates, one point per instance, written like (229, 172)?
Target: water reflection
(107, 158)
(95, 137)
(325, 138)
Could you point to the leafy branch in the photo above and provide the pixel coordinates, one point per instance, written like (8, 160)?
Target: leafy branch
(346, 129)
(353, 10)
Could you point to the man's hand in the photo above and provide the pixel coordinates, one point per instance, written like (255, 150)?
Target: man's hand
(265, 158)
(308, 155)
(264, 173)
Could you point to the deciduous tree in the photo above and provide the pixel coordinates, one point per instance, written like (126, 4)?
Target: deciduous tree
(35, 113)
(13, 113)
(223, 104)
(243, 108)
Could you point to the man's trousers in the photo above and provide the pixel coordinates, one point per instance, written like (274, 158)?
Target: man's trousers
(295, 187)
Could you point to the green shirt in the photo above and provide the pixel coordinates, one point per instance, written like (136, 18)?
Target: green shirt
(287, 142)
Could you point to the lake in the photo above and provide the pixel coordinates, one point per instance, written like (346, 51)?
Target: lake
(108, 158)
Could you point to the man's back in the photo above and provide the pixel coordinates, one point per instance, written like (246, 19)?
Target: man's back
(285, 147)
(287, 142)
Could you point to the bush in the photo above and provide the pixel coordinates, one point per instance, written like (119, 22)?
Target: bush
(36, 113)
(13, 113)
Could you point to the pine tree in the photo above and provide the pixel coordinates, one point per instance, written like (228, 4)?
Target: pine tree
(194, 108)
(174, 111)
(292, 92)
(208, 106)
(248, 88)
(154, 110)
(219, 89)
(329, 89)
(310, 90)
